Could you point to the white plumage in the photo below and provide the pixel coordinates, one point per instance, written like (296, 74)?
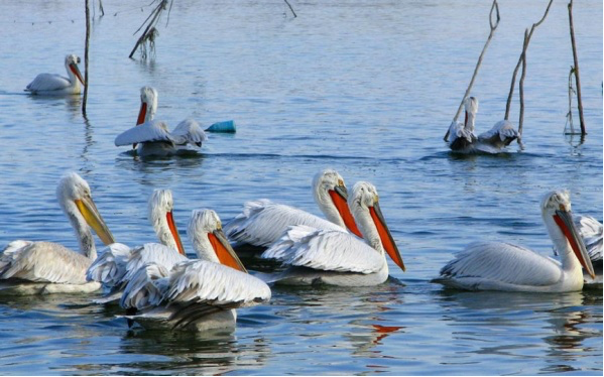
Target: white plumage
(28, 267)
(52, 84)
(335, 257)
(195, 294)
(262, 221)
(463, 140)
(118, 263)
(507, 267)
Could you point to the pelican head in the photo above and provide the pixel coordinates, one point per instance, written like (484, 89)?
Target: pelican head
(331, 195)
(71, 64)
(148, 105)
(364, 203)
(557, 215)
(75, 198)
(161, 206)
(209, 241)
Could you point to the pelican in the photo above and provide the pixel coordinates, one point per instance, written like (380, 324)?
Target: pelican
(335, 257)
(153, 137)
(506, 267)
(262, 222)
(50, 84)
(116, 266)
(464, 140)
(199, 294)
(28, 267)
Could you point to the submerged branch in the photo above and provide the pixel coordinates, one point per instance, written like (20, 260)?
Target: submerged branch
(493, 25)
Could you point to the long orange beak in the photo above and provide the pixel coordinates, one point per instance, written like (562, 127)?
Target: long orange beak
(385, 236)
(564, 220)
(339, 196)
(174, 231)
(225, 253)
(76, 71)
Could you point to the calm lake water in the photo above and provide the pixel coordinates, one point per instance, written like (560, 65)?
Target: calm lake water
(366, 87)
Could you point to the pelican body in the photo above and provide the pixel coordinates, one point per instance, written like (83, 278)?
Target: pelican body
(28, 267)
(199, 294)
(118, 264)
(153, 137)
(49, 84)
(507, 267)
(262, 222)
(463, 139)
(335, 257)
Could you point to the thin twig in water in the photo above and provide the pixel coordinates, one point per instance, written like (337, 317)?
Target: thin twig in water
(86, 60)
(522, 56)
(493, 25)
(291, 8)
(576, 59)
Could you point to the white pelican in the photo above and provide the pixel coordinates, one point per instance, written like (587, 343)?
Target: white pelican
(262, 222)
(335, 257)
(197, 294)
(118, 263)
(153, 137)
(28, 267)
(51, 84)
(506, 267)
(464, 140)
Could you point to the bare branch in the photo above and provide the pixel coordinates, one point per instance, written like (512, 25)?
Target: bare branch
(522, 56)
(576, 68)
(493, 26)
(291, 8)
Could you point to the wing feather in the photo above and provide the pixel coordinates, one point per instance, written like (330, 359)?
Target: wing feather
(262, 222)
(43, 262)
(502, 262)
(327, 250)
(189, 131)
(110, 267)
(148, 132)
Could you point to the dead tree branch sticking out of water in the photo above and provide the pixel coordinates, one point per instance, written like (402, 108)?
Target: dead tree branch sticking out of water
(291, 8)
(86, 82)
(493, 25)
(150, 32)
(522, 61)
(576, 67)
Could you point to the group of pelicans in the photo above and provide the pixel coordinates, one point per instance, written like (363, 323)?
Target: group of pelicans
(158, 285)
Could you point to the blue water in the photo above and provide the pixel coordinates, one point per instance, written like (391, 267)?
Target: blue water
(366, 87)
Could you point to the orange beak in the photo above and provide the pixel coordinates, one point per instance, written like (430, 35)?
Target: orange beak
(339, 196)
(385, 236)
(174, 231)
(564, 220)
(225, 253)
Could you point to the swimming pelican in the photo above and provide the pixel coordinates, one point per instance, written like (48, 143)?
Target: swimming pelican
(506, 267)
(262, 222)
(197, 294)
(153, 137)
(335, 257)
(52, 84)
(464, 140)
(39, 267)
(118, 263)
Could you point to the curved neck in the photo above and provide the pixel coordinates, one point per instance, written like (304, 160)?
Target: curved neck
(82, 230)
(568, 258)
(367, 228)
(203, 247)
(325, 203)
